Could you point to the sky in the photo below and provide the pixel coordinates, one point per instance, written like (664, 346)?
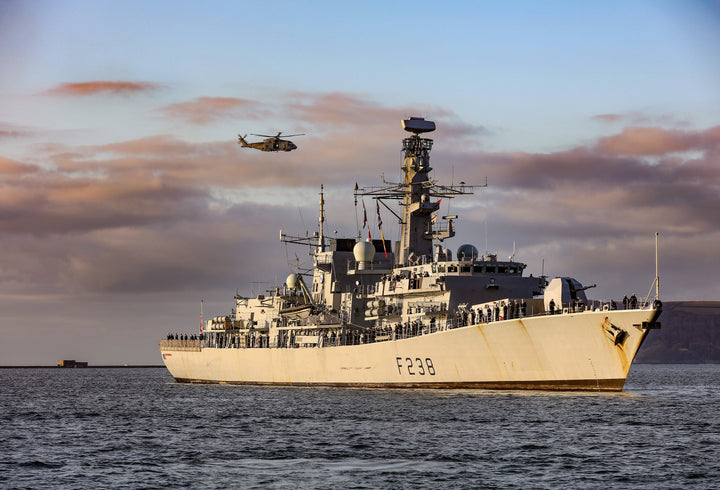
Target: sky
(125, 199)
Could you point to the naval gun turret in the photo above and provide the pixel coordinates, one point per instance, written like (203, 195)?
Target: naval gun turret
(564, 291)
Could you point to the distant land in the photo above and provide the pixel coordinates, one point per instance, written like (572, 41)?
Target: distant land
(690, 334)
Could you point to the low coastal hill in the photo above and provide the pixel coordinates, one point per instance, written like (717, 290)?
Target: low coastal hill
(690, 334)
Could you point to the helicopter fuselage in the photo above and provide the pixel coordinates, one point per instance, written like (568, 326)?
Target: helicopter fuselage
(271, 144)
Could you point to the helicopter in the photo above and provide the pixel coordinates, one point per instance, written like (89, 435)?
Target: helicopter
(272, 143)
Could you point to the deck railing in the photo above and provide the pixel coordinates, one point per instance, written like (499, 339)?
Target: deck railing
(350, 335)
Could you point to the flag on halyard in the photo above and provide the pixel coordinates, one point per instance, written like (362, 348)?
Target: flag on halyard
(382, 235)
(364, 215)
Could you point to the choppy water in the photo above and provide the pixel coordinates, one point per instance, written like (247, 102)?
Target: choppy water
(137, 428)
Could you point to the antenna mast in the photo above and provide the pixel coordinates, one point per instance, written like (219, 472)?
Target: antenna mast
(202, 301)
(321, 219)
(657, 276)
(420, 196)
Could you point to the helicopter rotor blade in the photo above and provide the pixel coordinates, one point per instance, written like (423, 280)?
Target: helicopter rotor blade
(277, 135)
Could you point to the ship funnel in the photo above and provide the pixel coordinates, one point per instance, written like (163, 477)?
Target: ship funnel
(364, 253)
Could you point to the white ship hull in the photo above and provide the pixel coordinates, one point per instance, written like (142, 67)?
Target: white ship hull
(568, 352)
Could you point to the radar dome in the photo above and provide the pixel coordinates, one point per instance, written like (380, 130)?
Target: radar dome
(467, 252)
(364, 251)
(291, 281)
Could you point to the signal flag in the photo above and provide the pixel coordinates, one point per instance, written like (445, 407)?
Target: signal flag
(382, 235)
(364, 214)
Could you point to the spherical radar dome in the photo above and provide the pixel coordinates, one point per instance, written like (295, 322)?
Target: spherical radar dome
(291, 281)
(364, 251)
(467, 252)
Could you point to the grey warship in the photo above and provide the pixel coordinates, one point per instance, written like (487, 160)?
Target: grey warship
(414, 315)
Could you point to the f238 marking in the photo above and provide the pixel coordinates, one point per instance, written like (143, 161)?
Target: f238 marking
(415, 366)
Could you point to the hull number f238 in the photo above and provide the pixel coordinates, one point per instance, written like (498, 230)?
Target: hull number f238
(415, 366)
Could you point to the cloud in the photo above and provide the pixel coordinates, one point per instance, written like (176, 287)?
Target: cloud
(610, 118)
(11, 131)
(641, 141)
(337, 109)
(594, 196)
(343, 111)
(102, 87)
(204, 110)
(13, 167)
(640, 119)
(160, 214)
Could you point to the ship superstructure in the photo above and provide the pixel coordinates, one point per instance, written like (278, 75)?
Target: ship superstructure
(413, 315)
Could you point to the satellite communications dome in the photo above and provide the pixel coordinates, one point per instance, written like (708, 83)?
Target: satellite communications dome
(467, 252)
(364, 253)
(292, 281)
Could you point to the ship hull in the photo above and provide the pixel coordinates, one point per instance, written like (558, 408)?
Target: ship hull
(554, 352)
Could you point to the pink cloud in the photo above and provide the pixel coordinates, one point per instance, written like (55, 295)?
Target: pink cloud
(641, 141)
(102, 87)
(8, 131)
(641, 119)
(13, 167)
(124, 201)
(611, 118)
(350, 110)
(204, 110)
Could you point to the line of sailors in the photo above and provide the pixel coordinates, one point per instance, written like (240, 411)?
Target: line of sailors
(464, 316)
(326, 337)
(413, 277)
(184, 336)
(501, 310)
(578, 305)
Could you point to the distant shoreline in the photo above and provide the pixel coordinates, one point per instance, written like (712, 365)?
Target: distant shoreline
(144, 366)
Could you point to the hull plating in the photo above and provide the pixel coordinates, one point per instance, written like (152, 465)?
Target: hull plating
(561, 352)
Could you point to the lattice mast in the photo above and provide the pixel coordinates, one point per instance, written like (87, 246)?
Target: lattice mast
(420, 196)
(418, 206)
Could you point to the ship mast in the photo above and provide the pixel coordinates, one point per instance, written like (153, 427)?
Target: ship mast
(417, 205)
(657, 274)
(321, 220)
(318, 237)
(420, 196)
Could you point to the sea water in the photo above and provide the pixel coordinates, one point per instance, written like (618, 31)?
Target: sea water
(137, 428)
